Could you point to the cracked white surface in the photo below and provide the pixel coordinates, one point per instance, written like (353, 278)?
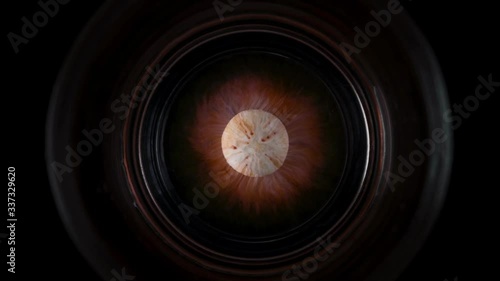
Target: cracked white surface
(255, 143)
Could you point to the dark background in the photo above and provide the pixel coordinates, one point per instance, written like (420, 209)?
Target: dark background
(464, 38)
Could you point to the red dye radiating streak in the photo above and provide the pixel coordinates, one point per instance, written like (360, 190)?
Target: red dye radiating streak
(302, 122)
